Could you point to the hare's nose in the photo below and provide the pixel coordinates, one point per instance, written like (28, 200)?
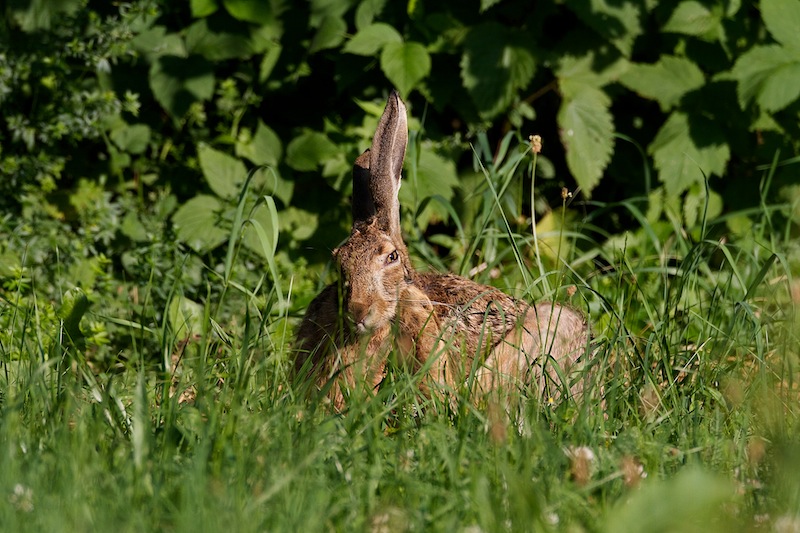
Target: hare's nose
(359, 310)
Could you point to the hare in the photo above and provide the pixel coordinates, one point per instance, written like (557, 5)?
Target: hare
(445, 325)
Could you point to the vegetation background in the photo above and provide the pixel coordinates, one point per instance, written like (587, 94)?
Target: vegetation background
(174, 174)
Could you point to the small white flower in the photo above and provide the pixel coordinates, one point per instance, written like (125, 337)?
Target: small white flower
(22, 498)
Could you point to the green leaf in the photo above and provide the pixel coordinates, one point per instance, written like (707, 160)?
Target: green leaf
(309, 150)
(41, 14)
(585, 70)
(770, 75)
(203, 8)
(665, 81)
(132, 228)
(156, 42)
(224, 174)
(185, 317)
(587, 133)
(693, 18)
(268, 62)
(269, 181)
(322, 9)
(263, 148)
(74, 305)
(367, 11)
(496, 64)
(405, 64)
(696, 205)
(371, 39)
(197, 223)
(684, 151)
(617, 22)
(261, 233)
(258, 11)
(330, 34)
(298, 223)
(431, 175)
(486, 4)
(178, 82)
(132, 139)
(782, 18)
(218, 44)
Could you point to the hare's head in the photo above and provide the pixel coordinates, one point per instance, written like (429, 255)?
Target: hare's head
(374, 261)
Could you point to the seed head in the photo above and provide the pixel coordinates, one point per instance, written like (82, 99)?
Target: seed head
(536, 143)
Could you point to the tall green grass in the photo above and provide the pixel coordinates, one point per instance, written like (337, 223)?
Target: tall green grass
(691, 423)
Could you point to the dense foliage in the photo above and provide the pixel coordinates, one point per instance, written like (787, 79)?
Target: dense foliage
(173, 175)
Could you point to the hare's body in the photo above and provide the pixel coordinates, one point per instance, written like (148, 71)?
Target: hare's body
(445, 324)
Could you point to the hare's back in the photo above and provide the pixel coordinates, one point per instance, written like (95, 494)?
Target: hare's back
(469, 308)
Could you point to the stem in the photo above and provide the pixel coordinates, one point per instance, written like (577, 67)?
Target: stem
(533, 216)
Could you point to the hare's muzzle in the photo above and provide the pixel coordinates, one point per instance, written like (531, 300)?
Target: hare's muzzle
(360, 313)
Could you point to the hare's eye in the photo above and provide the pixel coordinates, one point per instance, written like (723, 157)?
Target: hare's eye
(392, 257)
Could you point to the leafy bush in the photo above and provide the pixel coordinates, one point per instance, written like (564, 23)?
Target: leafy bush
(132, 97)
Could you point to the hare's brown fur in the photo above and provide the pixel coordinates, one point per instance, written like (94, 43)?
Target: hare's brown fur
(447, 324)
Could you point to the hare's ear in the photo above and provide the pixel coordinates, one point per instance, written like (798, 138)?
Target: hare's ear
(363, 205)
(386, 163)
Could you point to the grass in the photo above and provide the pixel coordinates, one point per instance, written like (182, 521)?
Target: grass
(697, 362)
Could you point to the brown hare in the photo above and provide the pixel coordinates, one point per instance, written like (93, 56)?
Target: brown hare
(445, 325)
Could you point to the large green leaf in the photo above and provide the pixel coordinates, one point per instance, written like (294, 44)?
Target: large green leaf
(156, 42)
(185, 317)
(770, 75)
(684, 151)
(371, 39)
(197, 223)
(587, 132)
(258, 11)
(73, 307)
(430, 175)
(782, 18)
(617, 22)
(224, 174)
(203, 8)
(405, 64)
(665, 81)
(330, 34)
(33, 15)
(262, 148)
(309, 150)
(268, 62)
(691, 17)
(269, 181)
(261, 233)
(298, 223)
(132, 139)
(178, 82)
(322, 9)
(219, 44)
(367, 11)
(497, 62)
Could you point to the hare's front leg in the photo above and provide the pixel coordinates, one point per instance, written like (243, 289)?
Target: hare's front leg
(420, 342)
(357, 365)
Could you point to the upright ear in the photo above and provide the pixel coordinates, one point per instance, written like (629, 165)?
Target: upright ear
(363, 205)
(386, 163)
